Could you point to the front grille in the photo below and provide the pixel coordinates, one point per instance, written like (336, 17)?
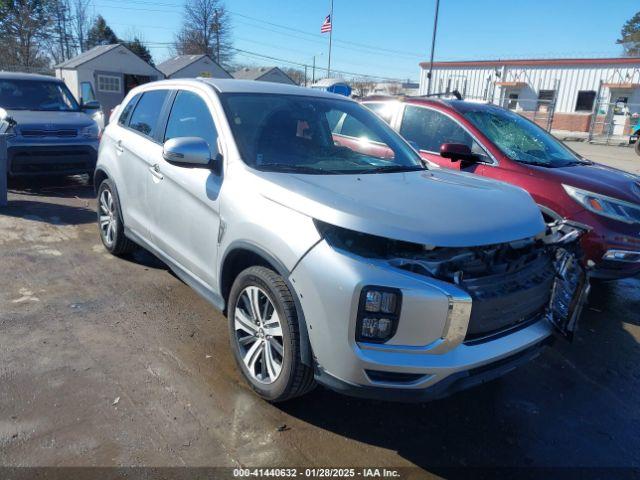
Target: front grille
(39, 133)
(510, 284)
(508, 299)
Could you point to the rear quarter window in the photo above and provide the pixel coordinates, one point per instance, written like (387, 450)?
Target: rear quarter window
(126, 111)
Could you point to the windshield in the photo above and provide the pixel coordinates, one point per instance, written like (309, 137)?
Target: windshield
(314, 135)
(520, 139)
(36, 95)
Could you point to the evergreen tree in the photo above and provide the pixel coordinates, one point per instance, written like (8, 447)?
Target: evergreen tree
(100, 33)
(630, 36)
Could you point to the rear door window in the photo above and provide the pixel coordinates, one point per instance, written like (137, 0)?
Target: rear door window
(146, 114)
(429, 129)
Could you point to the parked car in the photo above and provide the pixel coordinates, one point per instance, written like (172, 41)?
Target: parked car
(497, 143)
(362, 270)
(51, 133)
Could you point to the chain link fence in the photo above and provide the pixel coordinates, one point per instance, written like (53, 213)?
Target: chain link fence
(613, 122)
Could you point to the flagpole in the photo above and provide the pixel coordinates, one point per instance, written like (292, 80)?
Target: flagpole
(330, 35)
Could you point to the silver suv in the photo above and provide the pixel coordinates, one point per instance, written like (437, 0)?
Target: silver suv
(49, 131)
(337, 258)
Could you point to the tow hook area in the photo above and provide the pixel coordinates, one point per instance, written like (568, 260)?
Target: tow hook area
(571, 286)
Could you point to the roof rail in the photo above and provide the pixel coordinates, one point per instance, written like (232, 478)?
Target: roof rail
(454, 93)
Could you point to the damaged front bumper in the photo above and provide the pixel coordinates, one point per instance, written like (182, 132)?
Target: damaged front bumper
(431, 343)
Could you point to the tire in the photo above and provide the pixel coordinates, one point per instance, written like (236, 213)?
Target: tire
(259, 364)
(110, 224)
(637, 146)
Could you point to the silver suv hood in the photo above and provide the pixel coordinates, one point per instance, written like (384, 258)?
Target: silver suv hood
(435, 207)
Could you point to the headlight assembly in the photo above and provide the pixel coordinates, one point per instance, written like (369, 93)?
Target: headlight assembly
(90, 132)
(605, 206)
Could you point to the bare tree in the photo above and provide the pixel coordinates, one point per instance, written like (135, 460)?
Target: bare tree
(206, 29)
(295, 74)
(81, 21)
(363, 85)
(26, 27)
(62, 43)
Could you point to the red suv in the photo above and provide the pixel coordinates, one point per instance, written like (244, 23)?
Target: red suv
(500, 144)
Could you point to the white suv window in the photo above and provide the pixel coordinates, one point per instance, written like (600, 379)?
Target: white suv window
(145, 116)
(190, 117)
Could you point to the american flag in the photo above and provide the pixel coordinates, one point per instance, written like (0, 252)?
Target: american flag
(326, 26)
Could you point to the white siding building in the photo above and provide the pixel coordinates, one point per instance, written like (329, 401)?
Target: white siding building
(106, 73)
(599, 93)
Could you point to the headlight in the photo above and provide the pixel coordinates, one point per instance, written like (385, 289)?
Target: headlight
(364, 244)
(605, 206)
(90, 132)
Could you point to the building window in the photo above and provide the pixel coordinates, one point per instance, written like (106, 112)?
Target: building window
(109, 84)
(545, 99)
(512, 103)
(585, 101)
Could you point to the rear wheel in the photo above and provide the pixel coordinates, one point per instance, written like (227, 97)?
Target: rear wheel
(265, 338)
(110, 221)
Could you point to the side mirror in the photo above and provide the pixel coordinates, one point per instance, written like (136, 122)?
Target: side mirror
(91, 105)
(457, 151)
(188, 152)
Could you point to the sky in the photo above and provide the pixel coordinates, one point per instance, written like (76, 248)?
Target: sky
(388, 38)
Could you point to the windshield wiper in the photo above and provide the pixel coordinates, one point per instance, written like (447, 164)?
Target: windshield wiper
(279, 167)
(394, 169)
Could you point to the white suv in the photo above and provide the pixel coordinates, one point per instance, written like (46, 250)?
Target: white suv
(338, 258)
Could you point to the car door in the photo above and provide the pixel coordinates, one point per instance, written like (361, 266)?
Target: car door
(427, 129)
(134, 145)
(186, 208)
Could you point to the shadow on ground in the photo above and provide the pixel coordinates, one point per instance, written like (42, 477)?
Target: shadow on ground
(49, 212)
(78, 186)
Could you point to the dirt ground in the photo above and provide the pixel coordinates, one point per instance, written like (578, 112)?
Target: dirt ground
(115, 362)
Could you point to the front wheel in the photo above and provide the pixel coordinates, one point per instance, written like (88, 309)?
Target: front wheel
(637, 146)
(265, 337)
(110, 220)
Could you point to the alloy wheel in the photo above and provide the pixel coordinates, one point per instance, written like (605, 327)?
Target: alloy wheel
(258, 332)
(107, 218)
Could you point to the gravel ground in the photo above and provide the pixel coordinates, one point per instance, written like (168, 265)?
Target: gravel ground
(115, 362)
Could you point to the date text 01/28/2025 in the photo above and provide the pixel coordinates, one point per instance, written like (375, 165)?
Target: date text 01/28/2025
(316, 472)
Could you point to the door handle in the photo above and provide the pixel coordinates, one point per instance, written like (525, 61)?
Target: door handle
(155, 171)
(119, 147)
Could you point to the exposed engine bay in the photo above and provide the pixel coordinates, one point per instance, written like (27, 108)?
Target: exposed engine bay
(511, 284)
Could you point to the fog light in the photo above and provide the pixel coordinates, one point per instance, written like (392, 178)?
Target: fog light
(379, 301)
(376, 328)
(373, 301)
(378, 314)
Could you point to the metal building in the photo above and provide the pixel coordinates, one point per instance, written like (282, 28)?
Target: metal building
(597, 96)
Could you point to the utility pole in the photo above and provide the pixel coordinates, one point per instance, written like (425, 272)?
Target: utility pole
(330, 35)
(433, 47)
(313, 71)
(305, 74)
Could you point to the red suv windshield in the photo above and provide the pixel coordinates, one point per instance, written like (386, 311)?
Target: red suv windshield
(520, 139)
